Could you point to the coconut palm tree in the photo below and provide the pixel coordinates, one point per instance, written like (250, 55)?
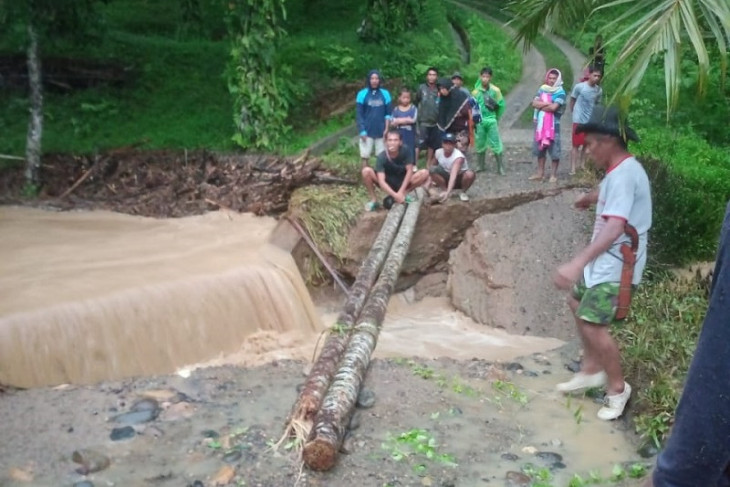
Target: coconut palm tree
(647, 29)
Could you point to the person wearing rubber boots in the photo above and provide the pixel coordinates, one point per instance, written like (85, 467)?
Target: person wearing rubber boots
(492, 105)
(603, 274)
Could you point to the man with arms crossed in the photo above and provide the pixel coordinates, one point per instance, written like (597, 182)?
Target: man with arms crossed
(623, 207)
(584, 97)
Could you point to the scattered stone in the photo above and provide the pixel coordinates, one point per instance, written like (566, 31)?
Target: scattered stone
(122, 433)
(514, 367)
(355, 421)
(556, 442)
(648, 450)
(84, 483)
(146, 404)
(530, 450)
(162, 395)
(347, 444)
(232, 456)
(530, 373)
(427, 481)
(510, 457)
(559, 465)
(517, 479)
(197, 483)
(210, 434)
(573, 366)
(21, 475)
(549, 457)
(541, 359)
(307, 369)
(137, 417)
(90, 460)
(455, 411)
(366, 399)
(223, 476)
(180, 410)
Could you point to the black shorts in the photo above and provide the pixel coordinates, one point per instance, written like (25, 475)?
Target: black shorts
(446, 175)
(429, 137)
(395, 182)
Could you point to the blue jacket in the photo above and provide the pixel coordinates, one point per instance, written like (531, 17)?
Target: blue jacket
(373, 109)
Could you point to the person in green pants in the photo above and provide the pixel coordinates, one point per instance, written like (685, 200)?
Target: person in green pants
(491, 103)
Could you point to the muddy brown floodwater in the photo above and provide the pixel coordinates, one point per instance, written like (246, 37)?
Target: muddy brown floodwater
(205, 317)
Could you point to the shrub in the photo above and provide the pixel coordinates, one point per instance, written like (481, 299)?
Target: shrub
(690, 189)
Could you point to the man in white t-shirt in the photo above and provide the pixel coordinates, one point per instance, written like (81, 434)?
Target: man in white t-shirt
(451, 170)
(583, 99)
(623, 208)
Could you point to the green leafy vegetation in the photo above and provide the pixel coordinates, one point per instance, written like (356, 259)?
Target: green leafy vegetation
(177, 87)
(657, 343)
(419, 448)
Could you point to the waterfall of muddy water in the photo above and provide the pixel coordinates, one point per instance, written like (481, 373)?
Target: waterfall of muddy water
(88, 296)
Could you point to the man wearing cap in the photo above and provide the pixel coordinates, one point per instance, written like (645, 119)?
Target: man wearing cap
(451, 170)
(491, 102)
(393, 172)
(458, 81)
(602, 275)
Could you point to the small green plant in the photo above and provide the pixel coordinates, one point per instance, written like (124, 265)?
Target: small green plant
(30, 190)
(511, 391)
(415, 446)
(541, 477)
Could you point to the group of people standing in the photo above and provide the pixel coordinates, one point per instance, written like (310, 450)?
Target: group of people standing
(452, 124)
(444, 119)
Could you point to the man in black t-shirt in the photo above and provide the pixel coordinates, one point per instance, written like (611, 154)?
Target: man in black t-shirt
(393, 172)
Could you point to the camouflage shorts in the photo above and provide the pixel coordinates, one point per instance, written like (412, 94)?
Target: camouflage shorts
(598, 304)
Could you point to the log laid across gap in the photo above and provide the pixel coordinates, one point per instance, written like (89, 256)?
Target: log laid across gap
(324, 368)
(331, 422)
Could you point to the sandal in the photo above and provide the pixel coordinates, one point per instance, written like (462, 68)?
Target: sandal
(410, 198)
(371, 206)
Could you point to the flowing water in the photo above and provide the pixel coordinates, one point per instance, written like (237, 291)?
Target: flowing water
(87, 296)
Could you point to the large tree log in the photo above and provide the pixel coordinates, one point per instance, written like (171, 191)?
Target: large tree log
(330, 423)
(319, 378)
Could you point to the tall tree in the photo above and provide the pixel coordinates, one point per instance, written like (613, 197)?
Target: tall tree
(647, 28)
(43, 20)
(255, 79)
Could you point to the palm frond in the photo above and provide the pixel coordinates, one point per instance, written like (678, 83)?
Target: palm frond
(654, 28)
(534, 16)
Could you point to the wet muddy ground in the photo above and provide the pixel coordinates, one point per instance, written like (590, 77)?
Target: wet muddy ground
(433, 422)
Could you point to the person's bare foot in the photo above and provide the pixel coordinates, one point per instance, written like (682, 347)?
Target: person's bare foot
(536, 177)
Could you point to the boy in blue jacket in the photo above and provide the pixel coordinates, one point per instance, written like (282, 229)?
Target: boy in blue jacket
(373, 116)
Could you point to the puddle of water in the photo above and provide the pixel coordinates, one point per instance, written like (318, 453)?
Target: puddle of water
(554, 422)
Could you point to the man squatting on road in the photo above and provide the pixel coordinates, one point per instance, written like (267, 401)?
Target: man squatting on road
(393, 173)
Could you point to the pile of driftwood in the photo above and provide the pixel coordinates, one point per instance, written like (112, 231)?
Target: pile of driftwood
(170, 183)
(322, 413)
